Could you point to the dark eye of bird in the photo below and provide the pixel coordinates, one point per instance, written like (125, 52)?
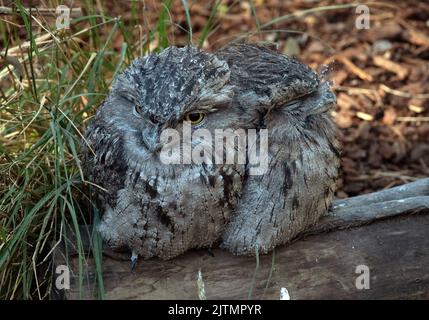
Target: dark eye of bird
(195, 117)
(138, 109)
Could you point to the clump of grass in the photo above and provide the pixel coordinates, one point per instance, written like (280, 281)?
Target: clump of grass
(42, 117)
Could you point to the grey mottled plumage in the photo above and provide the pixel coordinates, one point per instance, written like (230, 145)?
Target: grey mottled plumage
(160, 210)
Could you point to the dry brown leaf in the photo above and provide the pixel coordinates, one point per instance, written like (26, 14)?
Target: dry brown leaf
(391, 66)
(362, 74)
(364, 116)
(417, 38)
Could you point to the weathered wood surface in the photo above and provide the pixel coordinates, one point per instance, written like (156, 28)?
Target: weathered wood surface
(321, 266)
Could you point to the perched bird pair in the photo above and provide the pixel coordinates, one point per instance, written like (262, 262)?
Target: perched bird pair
(162, 210)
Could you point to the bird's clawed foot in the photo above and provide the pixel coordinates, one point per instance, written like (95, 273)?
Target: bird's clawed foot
(134, 259)
(210, 252)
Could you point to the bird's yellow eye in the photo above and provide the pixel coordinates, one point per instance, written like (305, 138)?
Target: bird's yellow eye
(195, 117)
(138, 108)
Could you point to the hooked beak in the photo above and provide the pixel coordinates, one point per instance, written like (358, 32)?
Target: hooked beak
(150, 138)
(321, 100)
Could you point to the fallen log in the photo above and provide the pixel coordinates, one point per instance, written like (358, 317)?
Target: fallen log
(324, 262)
